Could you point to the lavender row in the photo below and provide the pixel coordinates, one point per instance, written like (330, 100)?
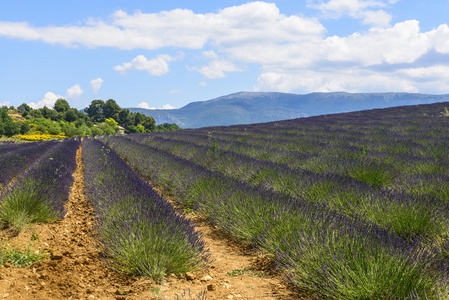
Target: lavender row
(139, 231)
(280, 226)
(408, 215)
(15, 158)
(418, 175)
(380, 148)
(394, 124)
(40, 194)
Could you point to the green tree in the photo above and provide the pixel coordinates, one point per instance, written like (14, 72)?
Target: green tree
(24, 109)
(135, 129)
(96, 131)
(168, 127)
(126, 118)
(7, 126)
(139, 118)
(61, 105)
(95, 110)
(35, 113)
(149, 124)
(107, 129)
(49, 113)
(24, 128)
(111, 110)
(71, 115)
(114, 125)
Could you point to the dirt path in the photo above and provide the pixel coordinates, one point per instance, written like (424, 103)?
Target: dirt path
(75, 270)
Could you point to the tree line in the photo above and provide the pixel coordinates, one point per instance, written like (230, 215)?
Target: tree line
(100, 117)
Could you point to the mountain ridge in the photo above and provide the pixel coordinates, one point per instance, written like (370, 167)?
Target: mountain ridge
(258, 107)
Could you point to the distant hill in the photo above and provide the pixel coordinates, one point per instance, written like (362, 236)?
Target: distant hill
(259, 107)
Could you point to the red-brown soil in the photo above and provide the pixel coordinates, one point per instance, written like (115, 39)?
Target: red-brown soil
(75, 269)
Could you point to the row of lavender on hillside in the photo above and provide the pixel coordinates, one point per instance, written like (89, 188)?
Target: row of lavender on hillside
(15, 158)
(408, 215)
(281, 225)
(40, 193)
(140, 232)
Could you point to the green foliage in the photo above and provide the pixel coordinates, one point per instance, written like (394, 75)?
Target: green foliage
(21, 259)
(24, 206)
(111, 109)
(95, 110)
(244, 271)
(24, 109)
(71, 122)
(7, 126)
(61, 105)
(135, 129)
(111, 122)
(107, 129)
(168, 127)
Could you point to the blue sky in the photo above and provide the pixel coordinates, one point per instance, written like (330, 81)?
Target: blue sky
(165, 54)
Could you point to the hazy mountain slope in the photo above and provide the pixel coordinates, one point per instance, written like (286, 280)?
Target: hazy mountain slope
(257, 107)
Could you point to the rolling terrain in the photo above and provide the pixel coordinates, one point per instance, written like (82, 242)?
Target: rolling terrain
(259, 107)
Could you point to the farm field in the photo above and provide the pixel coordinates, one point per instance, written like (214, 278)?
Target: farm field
(345, 206)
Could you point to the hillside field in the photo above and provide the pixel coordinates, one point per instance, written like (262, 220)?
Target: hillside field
(340, 206)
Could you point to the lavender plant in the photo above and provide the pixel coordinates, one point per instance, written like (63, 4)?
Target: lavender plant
(340, 258)
(139, 231)
(39, 195)
(15, 158)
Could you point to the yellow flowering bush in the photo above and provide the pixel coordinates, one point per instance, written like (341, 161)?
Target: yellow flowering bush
(39, 136)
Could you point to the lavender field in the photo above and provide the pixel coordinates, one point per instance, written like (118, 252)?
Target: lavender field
(349, 206)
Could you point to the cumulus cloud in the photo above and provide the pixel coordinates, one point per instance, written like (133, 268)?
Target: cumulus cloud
(147, 106)
(430, 80)
(344, 80)
(370, 12)
(292, 51)
(96, 84)
(6, 103)
(402, 43)
(48, 100)
(217, 66)
(168, 106)
(157, 66)
(247, 23)
(74, 92)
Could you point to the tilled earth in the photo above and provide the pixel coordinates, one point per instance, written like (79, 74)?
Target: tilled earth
(74, 268)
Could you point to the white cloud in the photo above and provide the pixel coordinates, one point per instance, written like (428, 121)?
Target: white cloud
(74, 92)
(157, 66)
(412, 80)
(369, 11)
(292, 51)
(49, 101)
(96, 84)
(174, 91)
(440, 38)
(147, 106)
(50, 98)
(167, 106)
(403, 43)
(217, 67)
(247, 23)
(6, 103)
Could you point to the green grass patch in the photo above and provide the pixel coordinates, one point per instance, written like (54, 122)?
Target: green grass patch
(21, 259)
